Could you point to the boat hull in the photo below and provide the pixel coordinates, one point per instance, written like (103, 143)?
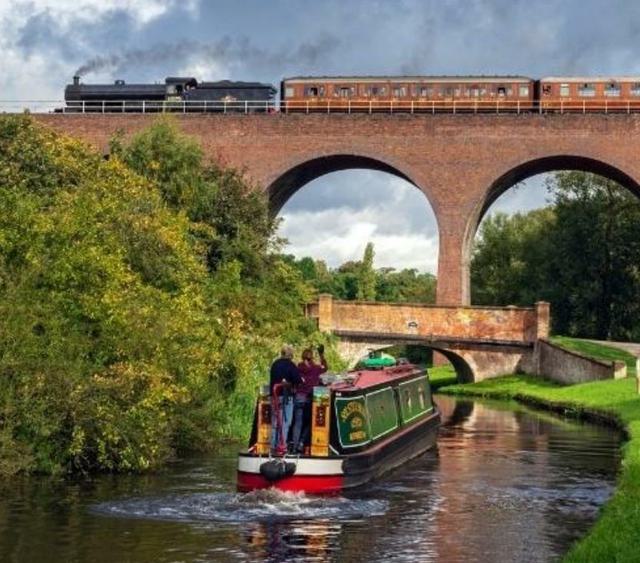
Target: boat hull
(331, 475)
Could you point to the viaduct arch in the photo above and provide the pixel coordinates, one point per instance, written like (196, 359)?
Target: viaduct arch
(462, 163)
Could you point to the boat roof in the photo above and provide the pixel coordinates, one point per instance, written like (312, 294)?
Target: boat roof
(403, 78)
(369, 378)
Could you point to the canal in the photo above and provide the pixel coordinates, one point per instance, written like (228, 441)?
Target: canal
(507, 484)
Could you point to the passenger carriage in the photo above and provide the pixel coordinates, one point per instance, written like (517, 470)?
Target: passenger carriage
(584, 94)
(364, 424)
(413, 94)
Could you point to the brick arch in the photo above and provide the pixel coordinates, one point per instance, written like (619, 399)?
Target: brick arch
(532, 168)
(299, 174)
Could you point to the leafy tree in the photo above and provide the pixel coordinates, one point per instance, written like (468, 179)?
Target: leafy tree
(141, 300)
(581, 254)
(366, 276)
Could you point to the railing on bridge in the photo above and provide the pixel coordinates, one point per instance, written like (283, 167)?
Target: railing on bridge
(337, 106)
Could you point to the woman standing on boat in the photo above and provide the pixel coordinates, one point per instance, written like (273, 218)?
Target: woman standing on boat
(310, 372)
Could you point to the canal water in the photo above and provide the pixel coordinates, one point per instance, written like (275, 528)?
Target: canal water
(506, 484)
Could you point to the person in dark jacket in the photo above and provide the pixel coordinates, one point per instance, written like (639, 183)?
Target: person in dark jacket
(310, 372)
(285, 373)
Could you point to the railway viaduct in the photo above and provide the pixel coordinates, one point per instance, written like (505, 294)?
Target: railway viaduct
(461, 163)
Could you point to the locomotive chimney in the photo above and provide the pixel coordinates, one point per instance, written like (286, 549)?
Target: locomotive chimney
(76, 80)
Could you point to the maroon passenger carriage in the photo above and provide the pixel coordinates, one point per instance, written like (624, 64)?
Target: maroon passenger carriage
(363, 424)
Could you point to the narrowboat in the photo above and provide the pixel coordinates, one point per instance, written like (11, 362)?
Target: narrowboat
(363, 424)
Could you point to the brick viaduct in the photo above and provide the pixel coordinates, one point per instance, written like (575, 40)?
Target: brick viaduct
(461, 163)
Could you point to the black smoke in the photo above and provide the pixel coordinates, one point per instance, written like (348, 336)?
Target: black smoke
(306, 55)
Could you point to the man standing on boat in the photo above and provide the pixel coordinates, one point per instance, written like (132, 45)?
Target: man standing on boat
(286, 376)
(310, 372)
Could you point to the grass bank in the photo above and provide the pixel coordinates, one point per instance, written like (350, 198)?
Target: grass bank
(616, 534)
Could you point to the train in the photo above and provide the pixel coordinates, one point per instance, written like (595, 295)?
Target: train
(364, 94)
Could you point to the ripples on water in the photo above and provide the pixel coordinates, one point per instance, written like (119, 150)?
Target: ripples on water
(505, 485)
(268, 505)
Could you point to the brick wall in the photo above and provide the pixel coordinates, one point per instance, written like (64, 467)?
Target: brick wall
(516, 324)
(461, 163)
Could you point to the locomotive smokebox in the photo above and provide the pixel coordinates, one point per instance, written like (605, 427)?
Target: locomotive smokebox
(76, 80)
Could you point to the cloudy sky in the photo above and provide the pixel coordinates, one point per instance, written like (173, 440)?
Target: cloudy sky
(43, 42)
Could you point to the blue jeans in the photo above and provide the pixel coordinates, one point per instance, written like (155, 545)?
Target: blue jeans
(302, 408)
(286, 407)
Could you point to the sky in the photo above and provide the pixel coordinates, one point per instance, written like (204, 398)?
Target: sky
(44, 42)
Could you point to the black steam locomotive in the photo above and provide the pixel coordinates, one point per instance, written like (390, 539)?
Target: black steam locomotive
(177, 94)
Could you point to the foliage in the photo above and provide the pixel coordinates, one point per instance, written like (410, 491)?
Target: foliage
(616, 534)
(141, 300)
(582, 254)
(359, 280)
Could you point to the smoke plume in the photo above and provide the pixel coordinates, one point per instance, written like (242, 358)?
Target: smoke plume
(225, 51)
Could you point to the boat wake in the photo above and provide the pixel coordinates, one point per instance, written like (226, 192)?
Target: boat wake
(256, 506)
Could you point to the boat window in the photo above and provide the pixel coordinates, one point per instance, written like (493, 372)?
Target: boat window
(564, 90)
(523, 90)
(587, 90)
(635, 89)
(612, 89)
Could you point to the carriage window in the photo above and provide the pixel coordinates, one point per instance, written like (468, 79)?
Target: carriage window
(564, 90)
(502, 91)
(474, 92)
(546, 89)
(312, 91)
(587, 90)
(345, 91)
(523, 90)
(612, 89)
(635, 89)
(399, 91)
(288, 92)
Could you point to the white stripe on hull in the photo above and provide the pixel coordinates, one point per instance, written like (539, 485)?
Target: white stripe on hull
(304, 466)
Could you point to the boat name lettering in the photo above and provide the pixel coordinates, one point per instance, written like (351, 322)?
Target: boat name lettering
(354, 407)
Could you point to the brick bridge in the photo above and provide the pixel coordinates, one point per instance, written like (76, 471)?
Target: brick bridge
(480, 342)
(461, 163)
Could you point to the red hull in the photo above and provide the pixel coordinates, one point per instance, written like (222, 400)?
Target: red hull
(318, 484)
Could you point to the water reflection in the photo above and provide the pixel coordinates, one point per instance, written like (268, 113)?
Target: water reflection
(505, 485)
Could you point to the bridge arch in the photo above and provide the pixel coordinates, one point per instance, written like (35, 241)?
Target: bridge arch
(534, 167)
(281, 188)
(352, 350)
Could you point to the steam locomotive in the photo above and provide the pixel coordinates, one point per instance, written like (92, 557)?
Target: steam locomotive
(358, 94)
(177, 94)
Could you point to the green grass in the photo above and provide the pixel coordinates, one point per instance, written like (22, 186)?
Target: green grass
(597, 351)
(616, 535)
(441, 376)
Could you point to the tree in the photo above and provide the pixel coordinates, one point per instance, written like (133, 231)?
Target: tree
(581, 254)
(366, 277)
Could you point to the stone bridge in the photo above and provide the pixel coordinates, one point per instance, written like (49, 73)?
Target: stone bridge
(461, 163)
(480, 342)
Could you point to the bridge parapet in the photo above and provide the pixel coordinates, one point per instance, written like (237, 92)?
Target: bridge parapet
(498, 324)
